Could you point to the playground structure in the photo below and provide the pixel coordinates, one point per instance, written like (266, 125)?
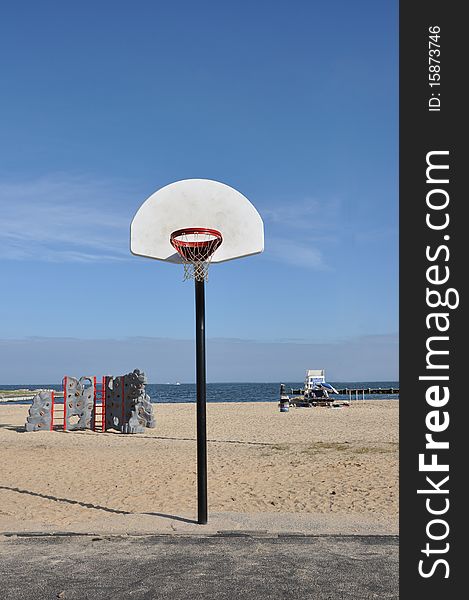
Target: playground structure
(120, 403)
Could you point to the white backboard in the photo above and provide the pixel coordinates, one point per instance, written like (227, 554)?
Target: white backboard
(197, 203)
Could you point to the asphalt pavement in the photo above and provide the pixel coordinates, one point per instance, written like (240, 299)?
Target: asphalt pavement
(223, 566)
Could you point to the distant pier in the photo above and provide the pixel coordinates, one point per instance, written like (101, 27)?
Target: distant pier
(357, 392)
(362, 391)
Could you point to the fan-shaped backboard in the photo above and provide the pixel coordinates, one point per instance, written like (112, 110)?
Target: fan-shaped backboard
(197, 203)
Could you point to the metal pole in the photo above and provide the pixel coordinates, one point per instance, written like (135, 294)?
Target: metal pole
(201, 402)
(65, 386)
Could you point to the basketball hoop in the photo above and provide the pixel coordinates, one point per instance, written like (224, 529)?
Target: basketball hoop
(196, 246)
(159, 228)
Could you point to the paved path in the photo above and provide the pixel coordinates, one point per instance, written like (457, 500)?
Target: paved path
(222, 566)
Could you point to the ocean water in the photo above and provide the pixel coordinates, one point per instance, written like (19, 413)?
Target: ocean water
(233, 392)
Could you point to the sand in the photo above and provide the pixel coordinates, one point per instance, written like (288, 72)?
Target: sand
(312, 469)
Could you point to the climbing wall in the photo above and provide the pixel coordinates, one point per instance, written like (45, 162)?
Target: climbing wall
(128, 407)
(40, 412)
(113, 399)
(78, 402)
(141, 407)
(144, 411)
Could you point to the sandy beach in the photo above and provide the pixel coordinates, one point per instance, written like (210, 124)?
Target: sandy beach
(329, 470)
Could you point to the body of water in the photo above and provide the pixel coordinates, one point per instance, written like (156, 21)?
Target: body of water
(233, 392)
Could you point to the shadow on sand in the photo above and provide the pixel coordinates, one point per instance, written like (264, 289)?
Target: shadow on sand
(143, 436)
(20, 429)
(95, 506)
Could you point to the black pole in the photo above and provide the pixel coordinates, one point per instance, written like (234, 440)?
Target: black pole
(201, 402)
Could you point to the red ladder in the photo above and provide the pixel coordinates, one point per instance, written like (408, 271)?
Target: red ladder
(52, 407)
(57, 421)
(99, 410)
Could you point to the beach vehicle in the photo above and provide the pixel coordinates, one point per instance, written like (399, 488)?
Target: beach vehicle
(315, 391)
(316, 386)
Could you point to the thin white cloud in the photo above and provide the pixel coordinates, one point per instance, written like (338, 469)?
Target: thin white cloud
(297, 231)
(296, 253)
(304, 215)
(64, 219)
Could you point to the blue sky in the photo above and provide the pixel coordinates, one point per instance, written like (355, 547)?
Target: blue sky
(292, 103)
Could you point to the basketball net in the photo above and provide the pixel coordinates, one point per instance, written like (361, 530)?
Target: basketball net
(196, 247)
